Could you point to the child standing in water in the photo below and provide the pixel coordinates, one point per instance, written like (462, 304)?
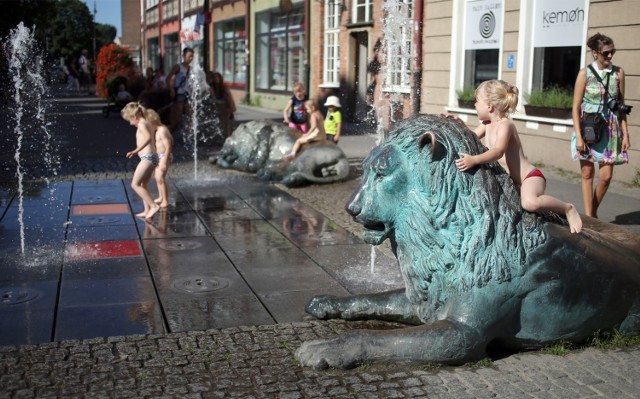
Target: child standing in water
(316, 129)
(146, 150)
(164, 146)
(495, 99)
(294, 112)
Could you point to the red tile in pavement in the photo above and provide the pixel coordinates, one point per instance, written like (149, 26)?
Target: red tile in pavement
(103, 249)
(99, 209)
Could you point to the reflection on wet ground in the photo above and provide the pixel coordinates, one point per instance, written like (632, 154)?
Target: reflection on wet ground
(227, 252)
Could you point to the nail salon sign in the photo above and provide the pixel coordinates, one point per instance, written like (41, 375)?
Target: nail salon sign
(559, 23)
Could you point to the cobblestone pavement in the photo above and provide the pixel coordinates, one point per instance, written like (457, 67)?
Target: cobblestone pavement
(258, 361)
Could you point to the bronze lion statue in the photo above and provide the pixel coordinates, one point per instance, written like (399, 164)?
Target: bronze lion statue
(479, 271)
(259, 146)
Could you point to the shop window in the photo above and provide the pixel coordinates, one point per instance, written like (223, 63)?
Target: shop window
(555, 67)
(153, 53)
(172, 53)
(229, 51)
(279, 49)
(480, 65)
(170, 9)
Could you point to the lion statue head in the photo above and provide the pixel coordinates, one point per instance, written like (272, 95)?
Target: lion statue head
(451, 230)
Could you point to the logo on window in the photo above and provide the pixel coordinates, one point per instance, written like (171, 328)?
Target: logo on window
(487, 24)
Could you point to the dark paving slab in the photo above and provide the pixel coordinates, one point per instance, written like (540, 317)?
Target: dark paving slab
(99, 195)
(285, 279)
(106, 268)
(81, 322)
(360, 268)
(35, 217)
(227, 252)
(27, 311)
(240, 235)
(36, 239)
(93, 232)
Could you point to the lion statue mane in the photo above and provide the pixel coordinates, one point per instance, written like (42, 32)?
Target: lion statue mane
(478, 269)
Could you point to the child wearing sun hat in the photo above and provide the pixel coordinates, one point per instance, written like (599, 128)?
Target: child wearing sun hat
(333, 120)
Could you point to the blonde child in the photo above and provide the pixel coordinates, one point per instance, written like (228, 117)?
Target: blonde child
(316, 129)
(333, 121)
(146, 150)
(164, 146)
(294, 112)
(495, 99)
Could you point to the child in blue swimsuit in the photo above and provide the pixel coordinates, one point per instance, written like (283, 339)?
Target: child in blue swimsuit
(146, 150)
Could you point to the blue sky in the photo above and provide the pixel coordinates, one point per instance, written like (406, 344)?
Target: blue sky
(108, 12)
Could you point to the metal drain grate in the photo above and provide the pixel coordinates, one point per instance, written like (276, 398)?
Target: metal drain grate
(195, 285)
(181, 245)
(103, 219)
(97, 199)
(14, 296)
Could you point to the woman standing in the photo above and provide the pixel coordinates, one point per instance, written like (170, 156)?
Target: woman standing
(223, 98)
(589, 96)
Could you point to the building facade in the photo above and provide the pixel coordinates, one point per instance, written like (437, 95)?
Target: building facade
(131, 38)
(389, 59)
(534, 44)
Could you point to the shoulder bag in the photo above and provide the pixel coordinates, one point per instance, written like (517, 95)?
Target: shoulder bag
(594, 126)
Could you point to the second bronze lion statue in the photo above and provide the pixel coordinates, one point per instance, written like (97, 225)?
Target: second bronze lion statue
(478, 269)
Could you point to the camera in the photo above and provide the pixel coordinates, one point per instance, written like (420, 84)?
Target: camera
(616, 106)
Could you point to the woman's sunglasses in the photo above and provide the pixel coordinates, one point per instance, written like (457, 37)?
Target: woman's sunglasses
(606, 54)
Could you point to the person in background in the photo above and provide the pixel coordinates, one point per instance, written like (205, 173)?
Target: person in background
(588, 97)
(294, 112)
(333, 120)
(83, 69)
(159, 81)
(123, 95)
(316, 129)
(178, 81)
(225, 104)
(149, 76)
(73, 82)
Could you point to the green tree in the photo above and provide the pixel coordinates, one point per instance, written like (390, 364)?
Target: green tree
(105, 34)
(38, 13)
(72, 28)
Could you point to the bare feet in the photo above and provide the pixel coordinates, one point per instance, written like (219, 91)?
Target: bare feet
(163, 205)
(289, 157)
(141, 215)
(573, 217)
(157, 200)
(152, 212)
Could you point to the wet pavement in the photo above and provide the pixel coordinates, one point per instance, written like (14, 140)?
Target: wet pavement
(207, 300)
(227, 252)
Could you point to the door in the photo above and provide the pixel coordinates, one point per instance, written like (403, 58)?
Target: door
(360, 74)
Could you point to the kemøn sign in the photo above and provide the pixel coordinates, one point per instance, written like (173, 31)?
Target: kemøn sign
(559, 23)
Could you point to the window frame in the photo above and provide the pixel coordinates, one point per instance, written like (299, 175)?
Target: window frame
(398, 68)
(357, 5)
(237, 40)
(331, 44)
(280, 38)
